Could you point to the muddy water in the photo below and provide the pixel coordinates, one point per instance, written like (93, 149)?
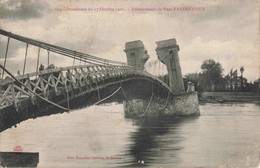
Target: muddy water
(100, 136)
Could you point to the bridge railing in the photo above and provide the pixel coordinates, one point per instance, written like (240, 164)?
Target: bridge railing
(67, 78)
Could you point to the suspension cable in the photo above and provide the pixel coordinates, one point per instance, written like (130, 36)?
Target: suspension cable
(57, 49)
(159, 69)
(167, 100)
(6, 51)
(38, 62)
(163, 69)
(126, 98)
(25, 57)
(48, 51)
(147, 107)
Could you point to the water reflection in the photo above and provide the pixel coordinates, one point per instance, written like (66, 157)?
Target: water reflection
(151, 139)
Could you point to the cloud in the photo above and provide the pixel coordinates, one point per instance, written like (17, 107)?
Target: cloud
(13, 46)
(221, 20)
(226, 31)
(22, 10)
(231, 54)
(90, 46)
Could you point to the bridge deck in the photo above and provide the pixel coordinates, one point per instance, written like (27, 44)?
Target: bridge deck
(69, 78)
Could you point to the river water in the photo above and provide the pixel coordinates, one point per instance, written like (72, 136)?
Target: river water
(225, 135)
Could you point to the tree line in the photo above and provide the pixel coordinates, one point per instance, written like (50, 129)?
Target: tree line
(211, 78)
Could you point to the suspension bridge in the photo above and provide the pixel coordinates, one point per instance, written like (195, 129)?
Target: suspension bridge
(92, 81)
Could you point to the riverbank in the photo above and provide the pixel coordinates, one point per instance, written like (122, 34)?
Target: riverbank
(229, 97)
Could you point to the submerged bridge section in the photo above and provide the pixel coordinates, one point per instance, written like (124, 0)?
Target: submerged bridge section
(61, 89)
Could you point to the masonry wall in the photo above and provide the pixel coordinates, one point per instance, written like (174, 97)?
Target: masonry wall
(182, 105)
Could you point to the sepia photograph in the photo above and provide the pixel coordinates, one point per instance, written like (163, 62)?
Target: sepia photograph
(132, 83)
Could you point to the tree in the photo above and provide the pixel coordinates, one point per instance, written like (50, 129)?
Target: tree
(235, 77)
(241, 78)
(242, 70)
(231, 80)
(192, 77)
(211, 73)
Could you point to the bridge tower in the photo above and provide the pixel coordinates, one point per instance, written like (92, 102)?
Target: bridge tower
(167, 51)
(136, 54)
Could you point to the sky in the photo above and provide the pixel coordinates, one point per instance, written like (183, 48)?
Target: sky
(227, 32)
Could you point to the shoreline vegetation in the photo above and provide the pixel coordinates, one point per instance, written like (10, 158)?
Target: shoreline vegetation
(229, 97)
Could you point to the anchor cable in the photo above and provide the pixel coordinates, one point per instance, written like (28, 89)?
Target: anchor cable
(147, 107)
(108, 96)
(126, 98)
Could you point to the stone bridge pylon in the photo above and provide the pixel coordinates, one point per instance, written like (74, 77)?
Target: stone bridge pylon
(167, 51)
(178, 102)
(136, 54)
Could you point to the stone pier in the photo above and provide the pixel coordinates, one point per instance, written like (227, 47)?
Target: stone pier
(179, 103)
(177, 106)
